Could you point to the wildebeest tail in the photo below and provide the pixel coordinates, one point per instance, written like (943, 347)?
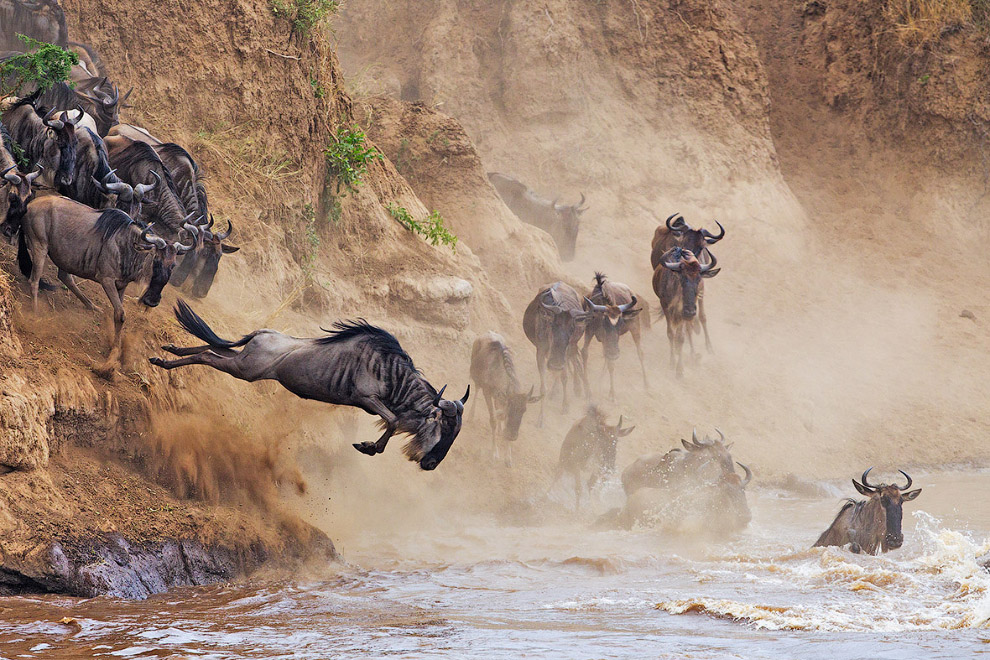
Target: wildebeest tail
(194, 325)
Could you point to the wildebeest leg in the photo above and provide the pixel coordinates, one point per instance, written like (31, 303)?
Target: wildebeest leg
(611, 379)
(70, 282)
(689, 330)
(584, 352)
(679, 347)
(639, 351)
(563, 387)
(114, 292)
(39, 257)
(193, 350)
(704, 325)
(670, 342)
(375, 405)
(492, 423)
(541, 365)
(208, 358)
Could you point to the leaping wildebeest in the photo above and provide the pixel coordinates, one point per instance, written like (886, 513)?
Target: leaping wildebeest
(554, 322)
(872, 524)
(590, 443)
(493, 371)
(561, 221)
(676, 232)
(679, 283)
(356, 364)
(614, 313)
(107, 247)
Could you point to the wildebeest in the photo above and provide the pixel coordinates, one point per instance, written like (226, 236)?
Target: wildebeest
(135, 133)
(561, 221)
(554, 322)
(493, 371)
(675, 232)
(19, 194)
(590, 443)
(43, 20)
(706, 458)
(679, 283)
(92, 176)
(872, 524)
(48, 141)
(614, 313)
(128, 199)
(89, 59)
(356, 364)
(137, 163)
(107, 247)
(97, 97)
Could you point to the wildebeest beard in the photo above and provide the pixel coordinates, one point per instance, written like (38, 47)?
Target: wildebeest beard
(159, 278)
(450, 426)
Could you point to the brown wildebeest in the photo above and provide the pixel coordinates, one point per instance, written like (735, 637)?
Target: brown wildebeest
(107, 247)
(554, 322)
(679, 283)
(46, 140)
(19, 194)
(135, 133)
(97, 97)
(592, 441)
(614, 313)
(872, 524)
(677, 233)
(561, 221)
(494, 372)
(357, 364)
(707, 458)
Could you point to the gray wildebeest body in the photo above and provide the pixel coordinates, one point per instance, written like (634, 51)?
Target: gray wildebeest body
(47, 141)
(493, 371)
(357, 364)
(679, 284)
(43, 20)
(554, 322)
(19, 193)
(872, 524)
(590, 443)
(97, 97)
(614, 313)
(107, 247)
(561, 221)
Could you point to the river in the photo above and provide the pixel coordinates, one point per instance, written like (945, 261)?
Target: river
(485, 590)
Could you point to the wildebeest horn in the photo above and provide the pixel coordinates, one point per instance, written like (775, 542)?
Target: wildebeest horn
(721, 436)
(464, 398)
(180, 248)
(749, 475)
(230, 228)
(124, 100)
(908, 477)
(34, 175)
(599, 309)
(72, 122)
(678, 224)
(211, 221)
(439, 396)
(53, 123)
(865, 482)
(711, 238)
(193, 230)
(11, 177)
(707, 267)
(629, 305)
(674, 252)
(152, 240)
(577, 207)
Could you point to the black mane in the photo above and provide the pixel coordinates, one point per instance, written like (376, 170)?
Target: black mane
(137, 153)
(177, 151)
(111, 221)
(382, 340)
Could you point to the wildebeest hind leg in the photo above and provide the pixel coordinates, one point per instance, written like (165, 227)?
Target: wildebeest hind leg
(70, 282)
(374, 405)
(193, 350)
(209, 358)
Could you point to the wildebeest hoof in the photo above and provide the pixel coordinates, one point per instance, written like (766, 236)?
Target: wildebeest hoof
(366, 448)
(171, 348)
(157, 361)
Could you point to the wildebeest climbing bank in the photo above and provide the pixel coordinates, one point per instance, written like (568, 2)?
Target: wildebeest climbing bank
(635, 287)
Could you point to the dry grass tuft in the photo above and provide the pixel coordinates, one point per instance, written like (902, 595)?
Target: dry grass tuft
(921, 23)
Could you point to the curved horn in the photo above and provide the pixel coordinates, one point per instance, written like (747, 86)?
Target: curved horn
(180, 248)
(749, 475)
(212, 220)
(864, 482)
(721, 436)
(711, 238)
(439, 396)
(143, 189)
(629, 305)
(53, 123)
(669, 218)
(33, 175)
(467, 393)
(126, 96)
(577, 207)
(707, 267)
(600, 309)
(908, 477)
(224, 235)
(193, 230)
(72, 122)
(10, 176)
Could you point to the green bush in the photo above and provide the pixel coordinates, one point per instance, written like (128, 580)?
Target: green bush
(304, 14)
(44, 65)
(432, 228)
(348, 157)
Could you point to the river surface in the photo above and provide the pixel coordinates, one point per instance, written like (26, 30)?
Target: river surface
(567, 591)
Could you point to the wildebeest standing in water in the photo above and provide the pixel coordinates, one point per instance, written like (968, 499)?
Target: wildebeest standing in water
(554, 322)
(872, 524)
(590, 441)
(614, 313)
(561, 221)
(679, 283)
(493, 371)
(357, 364)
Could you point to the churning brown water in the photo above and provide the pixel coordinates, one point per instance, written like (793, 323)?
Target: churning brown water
(481, 590)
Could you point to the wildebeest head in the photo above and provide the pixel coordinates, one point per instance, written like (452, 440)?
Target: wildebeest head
(515, 408)
(105, 105)
(569, 222)
(162, 264)
(60, 149)
(690, 270)
(564, 323)
(710, 452)
(609, 438)
(692, 239)
(891, 499)
(19, 193)
(612, 319)
(210, 247)
(449, 414)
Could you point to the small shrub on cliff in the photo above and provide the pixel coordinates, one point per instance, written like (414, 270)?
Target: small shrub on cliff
(348, 157)
(304, 14)
(432, 228)
(43, 65)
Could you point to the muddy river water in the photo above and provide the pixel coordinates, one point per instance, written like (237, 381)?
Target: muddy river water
(484, 590)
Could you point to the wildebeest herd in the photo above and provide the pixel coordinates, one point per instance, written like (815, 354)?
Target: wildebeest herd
(111, 203)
